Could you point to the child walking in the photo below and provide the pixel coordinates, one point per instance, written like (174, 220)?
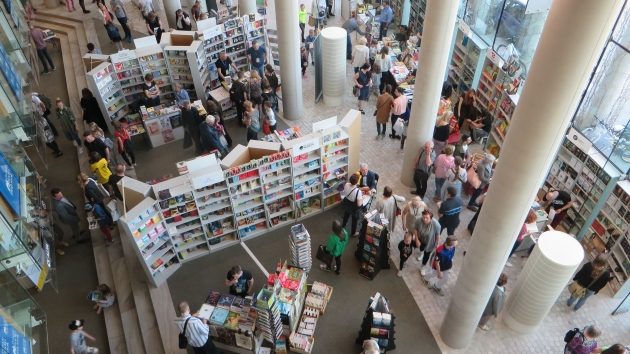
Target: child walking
(406, 246)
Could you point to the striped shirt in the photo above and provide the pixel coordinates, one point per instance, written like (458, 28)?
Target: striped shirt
(196, 331)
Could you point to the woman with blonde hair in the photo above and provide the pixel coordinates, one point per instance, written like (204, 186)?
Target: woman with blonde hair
(441, 131)
(251, 119)
(254, 88)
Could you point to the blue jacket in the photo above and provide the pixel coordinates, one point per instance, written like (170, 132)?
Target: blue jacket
(103, 218)
(387, 15)
(210, 138)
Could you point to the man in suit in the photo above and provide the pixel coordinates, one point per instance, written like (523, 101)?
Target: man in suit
(66, 212)
(367, 178)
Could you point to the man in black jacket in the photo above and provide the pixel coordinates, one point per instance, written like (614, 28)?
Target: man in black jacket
(191, 121)
(67, 213)
(238, 95)
(367, 178)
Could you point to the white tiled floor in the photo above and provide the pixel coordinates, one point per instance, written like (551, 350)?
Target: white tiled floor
(384, 156)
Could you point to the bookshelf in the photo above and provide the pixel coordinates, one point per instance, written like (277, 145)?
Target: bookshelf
(373, 245)
(215, 208)
(213, 45)
(180, 213)
(268, 319)
(335, 150)
(613, 219)
(200, 68)
(145, 225)
(378, 324)
(416, 15)
(234, 39)
(255, 30)
(467, 59)
(245, 188)
(153, 61)
(105, 87)
(179, 67)
(275, 173)
(307, 173)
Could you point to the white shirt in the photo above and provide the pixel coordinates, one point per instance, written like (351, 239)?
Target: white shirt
(352, 192)
(271, 117)
(37, 104)
(384, 63)
(360, 55)
(196, 331)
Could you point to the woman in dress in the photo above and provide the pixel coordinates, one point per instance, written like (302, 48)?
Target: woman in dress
(383, 109)
(91, 112)
(363, 81)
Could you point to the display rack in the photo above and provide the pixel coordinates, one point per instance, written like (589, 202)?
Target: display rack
(105, 87)
(378, 324)
(416, 15)
(213, 45)
(153, 61)
(215, 208)
(256, 30)
(232, 322)
(268, 319)
(467, 60)
(180, 59)
(275, 173)
(300, 245)
(373, 246)
(145, 225)
(163, 124)
(234, 40)
(180, 213)
(245, 188)
(307, 173)
(302, 339)
(129, 75)
(335, 145)
(613, 220)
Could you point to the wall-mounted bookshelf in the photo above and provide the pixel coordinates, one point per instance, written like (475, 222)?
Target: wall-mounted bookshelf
(145, 225)
(467, 60)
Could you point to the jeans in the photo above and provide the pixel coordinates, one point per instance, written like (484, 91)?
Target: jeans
(436, 282)
(354, 214)
(515, 247)
(478, 134)
(349, 48)
(44, 57)
(207, 348)
(383, 30)
(261, 70)
(381, 128)
(302, 26)
(252, 135)
(73, 136)
(123, 24)
(54, 147)
(402, 262)
(439, 182)
(127, 154)
(449, 226)
(337, 264)
(580, 301)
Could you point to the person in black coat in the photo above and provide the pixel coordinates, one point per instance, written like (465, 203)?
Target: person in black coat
(367, 178)
(191, 121)
(209, 136)
(91, 111)
(593, 276)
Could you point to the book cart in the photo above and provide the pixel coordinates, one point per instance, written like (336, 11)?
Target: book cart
(373, 246)
(600, 214)
(232, 322)
(216, 203)
(378, 324)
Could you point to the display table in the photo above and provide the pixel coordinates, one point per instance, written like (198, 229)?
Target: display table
(163, 124)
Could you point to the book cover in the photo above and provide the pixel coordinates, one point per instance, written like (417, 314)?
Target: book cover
(231, 321)
(225, 301)
(205, 311)
(219, 315)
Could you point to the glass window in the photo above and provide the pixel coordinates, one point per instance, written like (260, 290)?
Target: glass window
(604, 113)
(483, 17)
(521, 29)
(621, 33)
(462, 9)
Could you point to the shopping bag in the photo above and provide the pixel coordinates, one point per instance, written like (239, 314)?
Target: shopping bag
(399, 126)
(323, 255)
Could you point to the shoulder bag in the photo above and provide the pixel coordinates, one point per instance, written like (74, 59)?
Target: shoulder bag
(183, 341)
(578, 290)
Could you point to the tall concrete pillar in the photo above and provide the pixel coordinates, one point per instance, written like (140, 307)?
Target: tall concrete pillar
(437, 37)
(546, 273)
(246, 7)
(290, 64)
(562, 64)
(170, 6)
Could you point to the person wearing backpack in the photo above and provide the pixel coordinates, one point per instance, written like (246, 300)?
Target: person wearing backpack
(442, 264)
(582, 342)
(194, 332)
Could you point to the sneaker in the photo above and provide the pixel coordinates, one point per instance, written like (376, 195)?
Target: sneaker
(508, 264)
(437, 291)
(484, 327)
(324, 267)
(53, 69)
(399, 273)
(60, 252)
(423, 271)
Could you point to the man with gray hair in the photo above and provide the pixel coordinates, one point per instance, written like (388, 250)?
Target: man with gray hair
(367, 179)
(210, 137)
(196, 331)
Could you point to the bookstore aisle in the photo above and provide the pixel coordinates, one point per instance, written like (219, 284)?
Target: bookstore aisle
(337, 330)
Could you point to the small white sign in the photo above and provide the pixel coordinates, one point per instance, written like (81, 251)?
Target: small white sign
(306, 147)
(494, 58)
(324, 124)
(464, 27)
(212, 32)
(579, 140)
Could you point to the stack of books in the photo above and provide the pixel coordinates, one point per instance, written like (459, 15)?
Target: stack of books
(268, 315)
(300, 243)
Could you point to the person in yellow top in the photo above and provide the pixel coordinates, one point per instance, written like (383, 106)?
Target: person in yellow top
(302, 16)
(99, 166)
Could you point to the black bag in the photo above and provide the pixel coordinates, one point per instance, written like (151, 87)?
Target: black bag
(183, 341)
(351, 205)
(571, 334)
(323, 255)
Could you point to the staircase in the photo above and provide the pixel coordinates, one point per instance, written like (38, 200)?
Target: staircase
(142, 319)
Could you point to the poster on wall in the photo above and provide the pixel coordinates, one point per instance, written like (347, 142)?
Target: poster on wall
(10, 185)
(12, 340)
(10, 74)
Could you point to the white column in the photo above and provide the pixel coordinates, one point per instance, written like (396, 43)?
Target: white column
(562, 64)
(333, 64)
(546, 273)
(437, 40)
(246, 7)
(290, 64)
(170, 6)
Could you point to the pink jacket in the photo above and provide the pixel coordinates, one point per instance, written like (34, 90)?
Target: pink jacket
(442, 164)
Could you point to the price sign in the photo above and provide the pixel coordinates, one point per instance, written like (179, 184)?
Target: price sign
(464, 28)
(494, 58)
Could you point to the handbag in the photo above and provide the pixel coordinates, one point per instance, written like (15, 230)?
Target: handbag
(183, 341)
(398, 211)
(399, 126)
(576, 289)
(473, 178)
(311, 21)
(323, 255)
(355, 91)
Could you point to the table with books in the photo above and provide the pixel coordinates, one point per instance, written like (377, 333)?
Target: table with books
(232, 322)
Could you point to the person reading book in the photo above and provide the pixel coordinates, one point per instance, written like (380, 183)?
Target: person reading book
(240, 281)
(103, 298)
(196, 331)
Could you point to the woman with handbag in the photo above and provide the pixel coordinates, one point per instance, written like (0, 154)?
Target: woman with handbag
(352, 202)
(362, 83)
(589, 280)
(112, 30)
(390, 205)
(383, 109)
(336, 244)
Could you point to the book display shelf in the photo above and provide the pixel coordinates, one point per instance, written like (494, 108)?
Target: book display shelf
(213, 45)
(200, 69)
(245, 188)
(467, 60)
(255, 30)
(145, 225)
(234, 39)
(378, 324)
(599, 217)
(215, 209)
(416, 15)
(302, 339)
(268, 319)
(373, 246)
(179, 66)
(129, 75)
(275, 174)
(153, 61)
(106, 88)
(335, 145)
(232, 322)
(307, 173)
(181, 216)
